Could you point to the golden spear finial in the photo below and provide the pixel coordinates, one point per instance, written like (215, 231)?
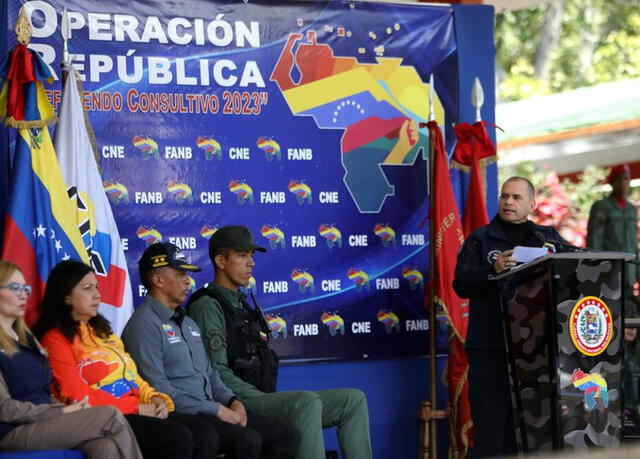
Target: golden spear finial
(23, 28)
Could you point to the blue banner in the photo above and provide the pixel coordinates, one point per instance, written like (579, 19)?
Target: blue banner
(300, 120)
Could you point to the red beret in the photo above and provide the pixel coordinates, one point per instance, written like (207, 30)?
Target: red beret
(617, 171)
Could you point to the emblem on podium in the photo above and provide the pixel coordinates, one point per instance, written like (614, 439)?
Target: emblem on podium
(591, 327)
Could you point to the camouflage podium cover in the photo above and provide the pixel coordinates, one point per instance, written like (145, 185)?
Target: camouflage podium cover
(563, 334)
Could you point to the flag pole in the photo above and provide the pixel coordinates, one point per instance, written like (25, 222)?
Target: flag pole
(477, 98)
(433, 394)
(428, 412)
(65, 31)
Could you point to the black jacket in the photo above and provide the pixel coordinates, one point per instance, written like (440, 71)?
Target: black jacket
(475, 265)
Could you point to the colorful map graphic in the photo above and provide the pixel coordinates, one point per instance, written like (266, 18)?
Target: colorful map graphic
(360, 278)
(301, 190)
(210, 146)
(149, 235)
(379, 106)
(274, 234)
(331, 234)
(303, 279)
(594, 387)
(277, 325)
(334, 322)
(390, 320)
(242, 191)
(270, 147)
(180, 191)
(116, 192)
(147, 145)
(415, 277)
(250, 287)
(207, 231)
(386, 234)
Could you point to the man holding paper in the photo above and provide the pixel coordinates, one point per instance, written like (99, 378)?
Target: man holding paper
(487, 252)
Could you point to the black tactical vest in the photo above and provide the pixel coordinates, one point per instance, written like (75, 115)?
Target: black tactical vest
(248, 352)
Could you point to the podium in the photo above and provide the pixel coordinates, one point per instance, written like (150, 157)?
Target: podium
(563, 328)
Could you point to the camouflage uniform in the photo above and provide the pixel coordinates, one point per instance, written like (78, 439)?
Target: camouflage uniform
(631, 379)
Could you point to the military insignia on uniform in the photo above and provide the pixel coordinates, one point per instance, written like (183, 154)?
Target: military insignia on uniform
(491, 256)
(594, 387)
(215, 343)
(168, 329)
(159, 260)
(172, 336)
(590, 326)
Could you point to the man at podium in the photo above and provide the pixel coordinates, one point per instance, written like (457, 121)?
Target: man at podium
(487, 252)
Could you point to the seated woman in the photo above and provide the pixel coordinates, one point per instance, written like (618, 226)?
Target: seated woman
(28, 419)
(89, 360)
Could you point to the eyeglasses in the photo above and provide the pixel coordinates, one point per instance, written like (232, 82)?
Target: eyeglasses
(18, 289)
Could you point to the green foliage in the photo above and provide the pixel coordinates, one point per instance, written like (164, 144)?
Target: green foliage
(617, 58)
(522, 83)
(516, 35)
(599, 42)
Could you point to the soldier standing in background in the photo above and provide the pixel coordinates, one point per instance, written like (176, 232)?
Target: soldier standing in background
(613, 223)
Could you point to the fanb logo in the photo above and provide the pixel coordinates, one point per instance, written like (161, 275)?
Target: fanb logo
(274, 234)
(270, 147)
(210, 146)
(277, 325)
(148, 146)
(242, 190)
(116, 192)
(334, 322)
(180, 191)
(386, 234)
(594, 387)
(590, 326)
(360, 278)
(149, 235)
(251, 286)
(303, 279)
(332, 234)
(390, 320)
(207, 231)
(415, 277)
(301, 190)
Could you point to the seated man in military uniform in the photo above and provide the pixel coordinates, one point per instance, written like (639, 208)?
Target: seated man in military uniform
(167, 348)
(236, 336)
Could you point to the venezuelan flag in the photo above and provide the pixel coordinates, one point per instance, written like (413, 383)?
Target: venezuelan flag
(40, 224)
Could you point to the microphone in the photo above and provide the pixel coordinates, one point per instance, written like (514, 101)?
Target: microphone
(543, 241)
(556, 245)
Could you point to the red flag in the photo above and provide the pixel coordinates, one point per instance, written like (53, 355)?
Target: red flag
(475, 208)
(447, 238)
(473, 146)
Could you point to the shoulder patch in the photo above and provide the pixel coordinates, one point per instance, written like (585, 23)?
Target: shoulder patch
(215, 342)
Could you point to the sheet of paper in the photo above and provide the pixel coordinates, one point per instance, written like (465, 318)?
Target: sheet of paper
(526, 254)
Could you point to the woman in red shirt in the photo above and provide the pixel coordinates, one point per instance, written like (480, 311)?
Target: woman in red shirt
(89, 360)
